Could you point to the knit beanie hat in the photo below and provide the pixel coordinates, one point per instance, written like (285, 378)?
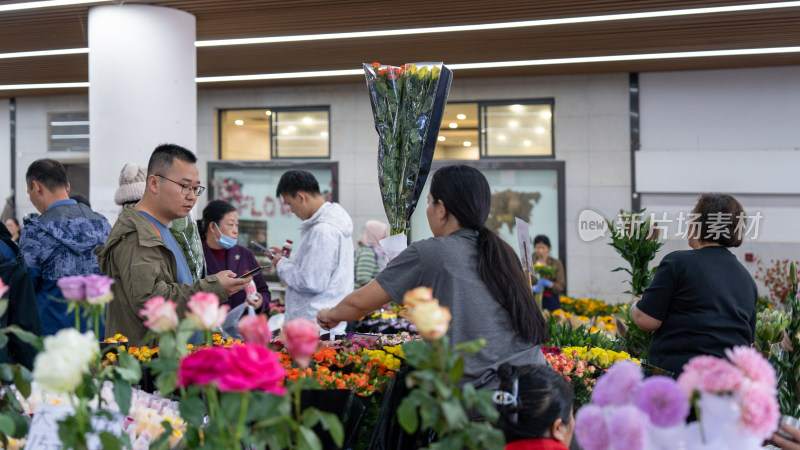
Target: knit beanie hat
(131, 184)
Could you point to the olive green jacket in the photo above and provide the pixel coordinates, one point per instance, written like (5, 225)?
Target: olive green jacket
(142, 267)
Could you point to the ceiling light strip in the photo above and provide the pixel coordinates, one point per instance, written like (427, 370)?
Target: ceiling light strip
(461, 66)
(46, 4)
(65, 51)
(497, 26)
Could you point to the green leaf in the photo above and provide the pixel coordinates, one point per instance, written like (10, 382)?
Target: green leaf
(3, 306)
(122, 394)
(21, 425)
(309, 439)
(3, 340)
(22, 380)
(471, 347)
(456, 371)
(454, 414)
(128, 368)
(6, 372)
(27, 337)
(192, 410)
(165, 382)
(407, 415)
(6, 425)
(417, 352)
(163, 439)
(110, 442)
(331, 423)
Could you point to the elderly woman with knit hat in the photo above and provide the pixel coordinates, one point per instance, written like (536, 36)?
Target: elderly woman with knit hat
(370, 258)
(132, 180)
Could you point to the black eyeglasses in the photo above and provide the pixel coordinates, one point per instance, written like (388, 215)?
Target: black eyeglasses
(185, 188)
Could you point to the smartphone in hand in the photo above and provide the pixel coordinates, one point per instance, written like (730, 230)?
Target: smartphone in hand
(252, 272)
(266, 251)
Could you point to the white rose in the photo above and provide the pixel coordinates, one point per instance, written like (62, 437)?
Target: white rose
(430, 319)
(66, 357)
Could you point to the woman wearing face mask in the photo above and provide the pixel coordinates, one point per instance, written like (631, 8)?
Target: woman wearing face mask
(219, 230)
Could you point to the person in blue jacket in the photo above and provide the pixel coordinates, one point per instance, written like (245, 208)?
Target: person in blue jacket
(59, 242)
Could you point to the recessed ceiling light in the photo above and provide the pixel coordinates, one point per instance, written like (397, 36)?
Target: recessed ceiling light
(291, 128)
(238, 122)
(306, 119)
(442, 138)
(501, 138)
(284, 131)
(268, 112)
(63, 51)
(527, 143)
(513, 124)
(324, 134)
(467, 144)
(461, 116)
(516, 108)
(453, 125)
(546, 114)
(539, 130)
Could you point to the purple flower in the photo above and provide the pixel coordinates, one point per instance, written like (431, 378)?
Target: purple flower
(590, 428)
(619, 385)
(628, 428)
(97, 285)
(72, 288)
(663, 401)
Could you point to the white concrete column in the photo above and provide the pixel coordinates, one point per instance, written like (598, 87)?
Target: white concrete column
(142, 90)
(5, 153)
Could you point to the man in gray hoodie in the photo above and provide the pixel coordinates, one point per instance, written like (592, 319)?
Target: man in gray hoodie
(319, 273)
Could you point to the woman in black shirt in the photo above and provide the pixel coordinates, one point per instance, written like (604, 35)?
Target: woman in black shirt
(701, 301)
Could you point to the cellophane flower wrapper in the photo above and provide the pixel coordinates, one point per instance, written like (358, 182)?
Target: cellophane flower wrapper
(407, 105)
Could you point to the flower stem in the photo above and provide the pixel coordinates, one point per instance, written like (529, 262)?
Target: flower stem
(77, 316)
(242, 417)
(209, 339)
(296, 391)
(96, 317)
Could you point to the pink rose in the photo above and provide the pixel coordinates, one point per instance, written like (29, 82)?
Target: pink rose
(98, 289)
(301, 339)
(3, 287)
(206, 314)
(72, 288)
(255, 329)
(203, 366)
(160, 315)
(252, 367)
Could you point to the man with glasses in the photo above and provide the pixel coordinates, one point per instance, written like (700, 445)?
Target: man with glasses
(143, 257)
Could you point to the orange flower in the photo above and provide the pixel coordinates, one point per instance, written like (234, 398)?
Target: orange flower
(376, 65)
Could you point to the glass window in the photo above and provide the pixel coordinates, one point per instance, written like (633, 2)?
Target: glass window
(508, 129)
(271, 133)
(517, 129)
(68, 132)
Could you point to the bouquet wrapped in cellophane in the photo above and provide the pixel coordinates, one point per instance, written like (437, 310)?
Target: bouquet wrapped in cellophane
(407, 105)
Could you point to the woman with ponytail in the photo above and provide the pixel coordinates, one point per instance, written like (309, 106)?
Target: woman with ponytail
(471, 270)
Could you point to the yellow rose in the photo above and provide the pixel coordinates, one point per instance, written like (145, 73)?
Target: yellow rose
(418, 295)
(430, 319)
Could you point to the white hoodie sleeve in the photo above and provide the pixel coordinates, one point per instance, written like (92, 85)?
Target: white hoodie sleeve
(310, 270)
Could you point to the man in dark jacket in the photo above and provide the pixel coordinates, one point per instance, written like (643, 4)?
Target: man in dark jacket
(21, 307)
(59, 242)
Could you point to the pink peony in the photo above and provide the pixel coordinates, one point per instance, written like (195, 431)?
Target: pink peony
(72, 288)
(619, 385)
(301, 339)
(160, 315)
(663, 401)
(628, 428)
(754, 366)
(206, 314)
(252, 367)
(590, 428)
(709, 374)
(255, 329)
(98, 289)
(203, 366)
(3, 287)
(760, 412)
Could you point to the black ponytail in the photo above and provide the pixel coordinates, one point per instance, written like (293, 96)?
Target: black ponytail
(466, 195)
